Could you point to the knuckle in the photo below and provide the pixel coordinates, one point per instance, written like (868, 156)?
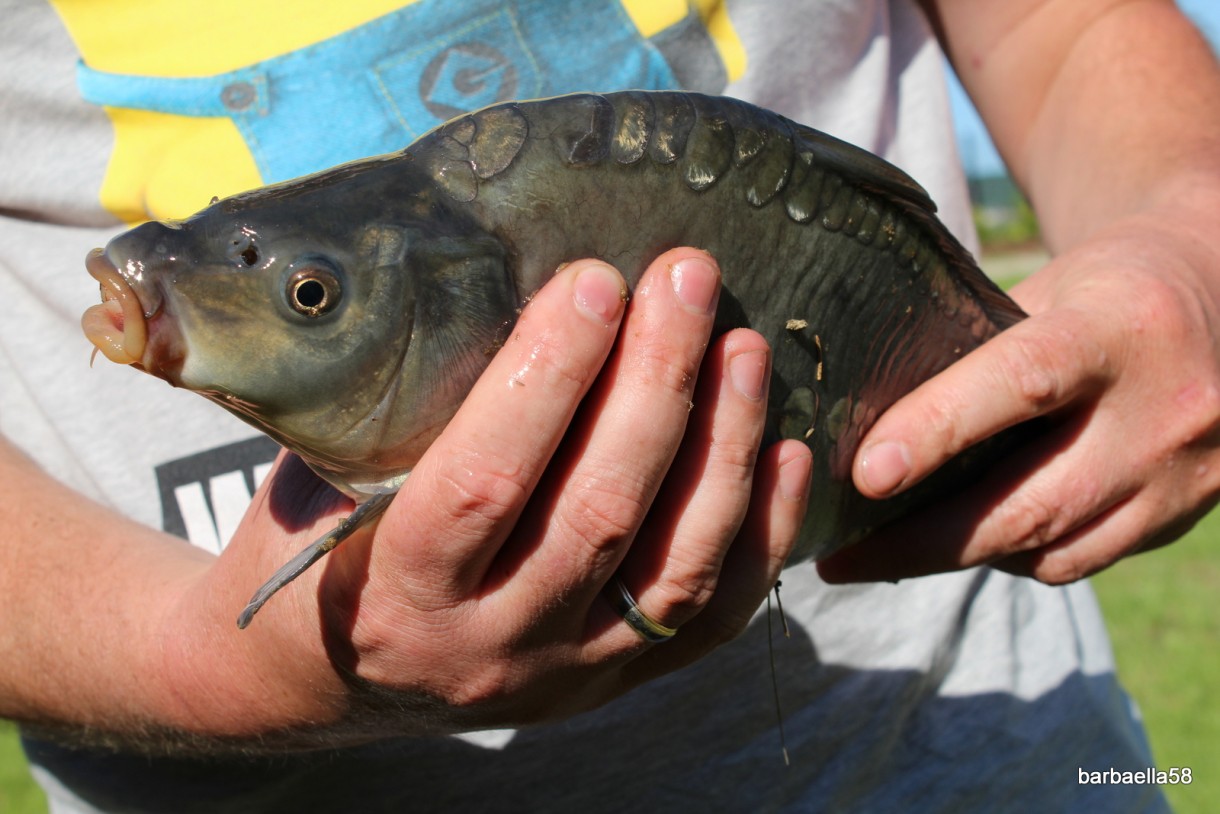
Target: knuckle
(487, 687)
(546, 351)
(479, 491)
(660, 365)
(604, 510)
(562, 364)
(940, 429)
(1196, 418)
(1033, 523)
(1074, 560)
(1046, 514)
(734, 457)
(1160, 303)
(574, 371)
(1033, 367)
(1061, 568)
(1050, 362)
(686, 589)
(1037, 387)
(944, 425)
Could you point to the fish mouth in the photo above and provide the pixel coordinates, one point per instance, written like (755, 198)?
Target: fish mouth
(118, 326)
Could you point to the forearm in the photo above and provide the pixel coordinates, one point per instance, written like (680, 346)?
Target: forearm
(1102, 108)
(78, 619)
(106, 626)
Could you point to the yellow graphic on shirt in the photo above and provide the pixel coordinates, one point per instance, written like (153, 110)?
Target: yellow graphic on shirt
(211, 98)
(653, 16)
(155, 167)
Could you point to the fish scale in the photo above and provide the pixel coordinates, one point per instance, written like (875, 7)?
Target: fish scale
(880, 247)
(831, 253)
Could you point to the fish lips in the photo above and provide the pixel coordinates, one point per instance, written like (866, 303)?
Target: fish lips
(131, 324)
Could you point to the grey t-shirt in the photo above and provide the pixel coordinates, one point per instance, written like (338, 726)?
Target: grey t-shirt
(960, 692)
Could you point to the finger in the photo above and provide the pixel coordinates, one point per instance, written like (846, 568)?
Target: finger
(1076, 555)
(752, 566)
(1037, 496)
(1033, 368)
(603, 480)
(1141, 523)
(468, 489)
(673, 564)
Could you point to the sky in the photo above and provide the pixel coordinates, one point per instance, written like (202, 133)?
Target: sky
(980, 156)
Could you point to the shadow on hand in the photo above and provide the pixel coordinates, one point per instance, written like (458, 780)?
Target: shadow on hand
(298, 498)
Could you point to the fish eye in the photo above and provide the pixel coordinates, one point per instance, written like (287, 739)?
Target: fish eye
(313, 290)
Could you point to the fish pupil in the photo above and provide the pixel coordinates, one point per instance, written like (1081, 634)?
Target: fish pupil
(310, 294)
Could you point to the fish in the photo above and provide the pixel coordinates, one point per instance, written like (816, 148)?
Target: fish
(376, 291)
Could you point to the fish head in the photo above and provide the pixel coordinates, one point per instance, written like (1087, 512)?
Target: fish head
(346, 327)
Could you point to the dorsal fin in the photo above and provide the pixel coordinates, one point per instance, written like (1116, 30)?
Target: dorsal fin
(880, 178)
(861, 167)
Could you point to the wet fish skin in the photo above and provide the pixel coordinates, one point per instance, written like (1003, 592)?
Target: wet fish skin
(835, 256)
(806, 228)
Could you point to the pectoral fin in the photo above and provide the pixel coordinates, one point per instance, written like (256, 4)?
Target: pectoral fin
(364, 514)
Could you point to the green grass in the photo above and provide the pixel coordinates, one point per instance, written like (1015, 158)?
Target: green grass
(1165, 624)
(18, 793)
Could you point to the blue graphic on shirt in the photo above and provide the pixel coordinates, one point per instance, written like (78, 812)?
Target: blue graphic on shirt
(375, 88)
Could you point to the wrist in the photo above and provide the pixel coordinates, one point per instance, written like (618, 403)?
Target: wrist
(264, 684)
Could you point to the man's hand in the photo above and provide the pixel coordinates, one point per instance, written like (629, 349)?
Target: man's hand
(1120, 355)
(586, 450)
(1108, 115)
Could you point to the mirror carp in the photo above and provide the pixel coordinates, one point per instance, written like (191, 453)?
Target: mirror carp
(375, 291)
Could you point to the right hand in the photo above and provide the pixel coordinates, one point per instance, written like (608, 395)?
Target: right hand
(478, 600)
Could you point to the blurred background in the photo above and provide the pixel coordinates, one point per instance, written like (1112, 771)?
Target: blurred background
(1161, 607)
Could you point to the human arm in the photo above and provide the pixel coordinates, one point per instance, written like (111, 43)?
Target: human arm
(477, 601)
(1107, 114)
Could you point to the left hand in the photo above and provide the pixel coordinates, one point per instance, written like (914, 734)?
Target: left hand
(603, 440)
(1121, 356)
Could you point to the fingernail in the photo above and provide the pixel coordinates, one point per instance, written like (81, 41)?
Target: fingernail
(748, 373)
(599, 293)
(884, 466)
(695, 281)
(794, 477)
